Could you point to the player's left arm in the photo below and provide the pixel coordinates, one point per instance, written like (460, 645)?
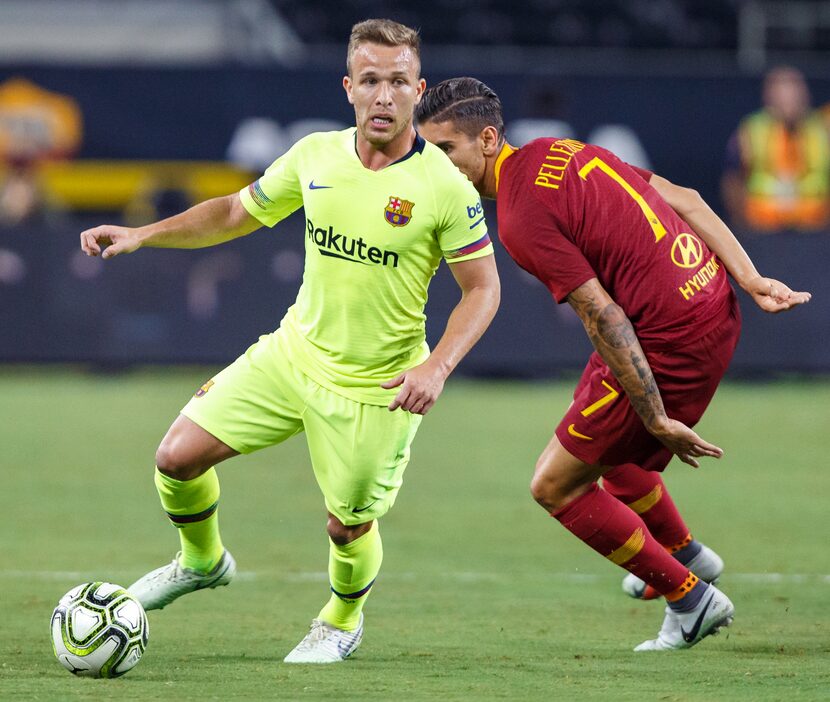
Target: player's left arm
(615, 339)
(480, 294)
(769, 294)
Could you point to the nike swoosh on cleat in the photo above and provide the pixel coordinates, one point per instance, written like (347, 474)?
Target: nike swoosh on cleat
(311, 186)
(689, 636)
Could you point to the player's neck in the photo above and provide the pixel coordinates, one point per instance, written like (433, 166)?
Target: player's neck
(490, 184)
(377, 157)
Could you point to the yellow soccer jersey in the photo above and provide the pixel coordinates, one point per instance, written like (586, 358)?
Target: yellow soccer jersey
(373, 241)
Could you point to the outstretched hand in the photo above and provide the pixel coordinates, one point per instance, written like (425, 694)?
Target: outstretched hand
(419, 388)
(684, 443)
(115, 240)
(773, 296)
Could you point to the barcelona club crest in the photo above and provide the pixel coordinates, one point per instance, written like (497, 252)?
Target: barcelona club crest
(398, 212)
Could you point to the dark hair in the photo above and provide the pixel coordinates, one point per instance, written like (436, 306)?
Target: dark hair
(466, 102)
(384, 32)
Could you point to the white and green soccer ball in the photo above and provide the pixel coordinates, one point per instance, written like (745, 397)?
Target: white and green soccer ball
(99, 630)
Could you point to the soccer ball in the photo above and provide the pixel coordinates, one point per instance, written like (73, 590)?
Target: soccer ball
(99, 630)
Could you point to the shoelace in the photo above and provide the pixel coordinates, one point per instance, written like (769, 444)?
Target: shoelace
(318, 633)
(165, 574)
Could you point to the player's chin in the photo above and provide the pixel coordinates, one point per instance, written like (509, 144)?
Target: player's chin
(380, 135)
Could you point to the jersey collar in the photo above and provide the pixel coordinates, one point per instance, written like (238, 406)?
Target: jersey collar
(506, 151)
(417, 148)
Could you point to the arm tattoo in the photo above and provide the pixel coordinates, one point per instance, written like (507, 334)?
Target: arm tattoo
(615, 327)
(614, 338)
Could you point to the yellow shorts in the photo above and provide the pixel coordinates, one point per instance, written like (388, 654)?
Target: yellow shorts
(358, 451)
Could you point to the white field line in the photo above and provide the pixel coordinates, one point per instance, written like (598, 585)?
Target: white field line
(459, 576)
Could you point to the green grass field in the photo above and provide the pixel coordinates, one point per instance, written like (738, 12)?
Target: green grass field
(482, 595)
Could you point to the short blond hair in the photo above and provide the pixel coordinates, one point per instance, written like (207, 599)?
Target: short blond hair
(384, 32)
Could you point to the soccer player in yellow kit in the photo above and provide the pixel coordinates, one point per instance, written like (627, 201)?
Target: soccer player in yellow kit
(348, 364)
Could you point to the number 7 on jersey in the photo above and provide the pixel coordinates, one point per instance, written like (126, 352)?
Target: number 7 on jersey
(655, 223)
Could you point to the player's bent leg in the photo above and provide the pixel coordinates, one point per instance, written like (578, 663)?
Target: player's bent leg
(359, 453)
(620, 535)
(355, 556)
(189, 491)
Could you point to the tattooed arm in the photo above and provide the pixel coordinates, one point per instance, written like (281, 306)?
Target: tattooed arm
(614, 338)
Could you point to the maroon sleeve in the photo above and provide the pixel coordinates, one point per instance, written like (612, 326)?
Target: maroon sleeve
(546, 253)
(642, 172)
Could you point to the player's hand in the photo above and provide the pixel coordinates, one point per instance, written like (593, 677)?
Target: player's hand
(773, 296)
(110, 240)
(683, 442)
(419, 388)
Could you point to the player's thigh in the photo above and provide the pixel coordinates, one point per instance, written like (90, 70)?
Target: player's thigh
(601, 427)
(359, 453)
(253, 403)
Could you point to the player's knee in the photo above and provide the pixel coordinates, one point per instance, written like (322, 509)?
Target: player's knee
(341, 534)
(542, 490)
(172, 461)
(547, 487)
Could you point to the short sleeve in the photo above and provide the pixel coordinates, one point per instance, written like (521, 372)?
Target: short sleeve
(549, 255)
(278, 192)
(644, 173)
(462, 231)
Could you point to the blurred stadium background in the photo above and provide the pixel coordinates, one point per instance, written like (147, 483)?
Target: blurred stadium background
(127, 110)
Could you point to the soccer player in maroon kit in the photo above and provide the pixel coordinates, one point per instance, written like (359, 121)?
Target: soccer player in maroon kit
(644, 264)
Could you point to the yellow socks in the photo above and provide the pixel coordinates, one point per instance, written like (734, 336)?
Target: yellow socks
(192, 506)
(352, 571)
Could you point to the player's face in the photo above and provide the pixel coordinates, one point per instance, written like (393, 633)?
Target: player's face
(384, 88)
(466, 152)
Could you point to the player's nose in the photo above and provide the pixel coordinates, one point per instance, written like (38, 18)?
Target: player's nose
(384, 95)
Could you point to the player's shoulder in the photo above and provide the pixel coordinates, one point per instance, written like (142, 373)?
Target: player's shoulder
(314, 147)
(550, 149)
(325, 140)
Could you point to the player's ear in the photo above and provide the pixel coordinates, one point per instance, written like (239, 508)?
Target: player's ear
(420, 86)
(489, 140)
(347, 86)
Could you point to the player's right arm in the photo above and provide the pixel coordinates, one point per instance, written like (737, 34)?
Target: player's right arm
(769, 294)
(614, 338)
(206, 224)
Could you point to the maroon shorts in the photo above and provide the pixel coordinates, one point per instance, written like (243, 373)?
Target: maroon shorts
(602, 428)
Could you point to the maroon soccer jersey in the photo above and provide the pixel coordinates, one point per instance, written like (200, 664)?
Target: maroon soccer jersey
(569, 212)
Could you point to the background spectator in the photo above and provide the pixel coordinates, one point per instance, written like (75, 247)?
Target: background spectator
(35, 125)
(778, 168)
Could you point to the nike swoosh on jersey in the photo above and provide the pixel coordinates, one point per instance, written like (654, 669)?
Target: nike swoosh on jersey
(689, 636)
(574, 432)
(358, 510)
(311, 186)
